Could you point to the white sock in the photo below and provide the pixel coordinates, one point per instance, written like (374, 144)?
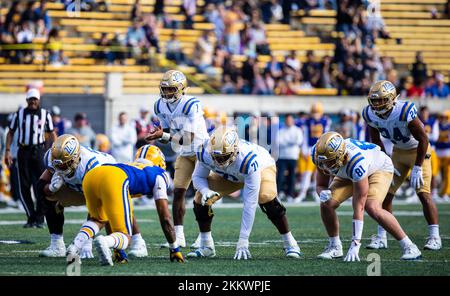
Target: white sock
(56, 239)
(405, 242)
(433, 230)
(136, 236)
(289, 240)
(179, 231)
(206, 239)
(381, 232)
(335, 240)
(357, 229)
(174, 245)
(117, 240)
(87, 231)
(306, 181)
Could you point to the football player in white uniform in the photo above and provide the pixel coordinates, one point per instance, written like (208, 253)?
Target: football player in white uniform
(226, 164)
(361, 170)
(183, 125)
(67, 163)
(398, 122)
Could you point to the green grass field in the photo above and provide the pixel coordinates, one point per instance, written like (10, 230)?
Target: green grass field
(265, 246)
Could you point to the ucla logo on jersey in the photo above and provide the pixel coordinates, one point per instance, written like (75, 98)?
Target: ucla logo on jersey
(388, 87)
(335, 143)
(70, 146)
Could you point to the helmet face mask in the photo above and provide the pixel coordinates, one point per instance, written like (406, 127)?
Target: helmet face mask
(172, 86)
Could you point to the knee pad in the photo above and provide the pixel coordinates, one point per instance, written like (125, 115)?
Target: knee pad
(203, 213)
(273, 209)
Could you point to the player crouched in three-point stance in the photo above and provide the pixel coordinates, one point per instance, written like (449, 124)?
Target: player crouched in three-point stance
(183, 125)
(67, 164)
(108, 190)
(398, 122)
(237, 164)
(361, 170)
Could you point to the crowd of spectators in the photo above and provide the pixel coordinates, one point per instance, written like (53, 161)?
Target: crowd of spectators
(232, 48)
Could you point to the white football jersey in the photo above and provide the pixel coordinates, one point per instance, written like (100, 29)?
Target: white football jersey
(395, 127)
(251, 158)
(184, 115)
(364, 159)
(89, 159)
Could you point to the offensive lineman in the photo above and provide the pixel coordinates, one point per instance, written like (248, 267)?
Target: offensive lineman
(226, 164)
(361, 170)
(398, 122)
(182, 124)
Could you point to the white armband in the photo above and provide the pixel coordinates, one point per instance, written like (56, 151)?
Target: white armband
(165, 138)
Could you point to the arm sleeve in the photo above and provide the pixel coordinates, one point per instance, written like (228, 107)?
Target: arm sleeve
(200, 178)
(250, 199)
(160, 188)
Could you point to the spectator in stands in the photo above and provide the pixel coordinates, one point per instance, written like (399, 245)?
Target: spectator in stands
(136, 10)
(135, 39)
(260, 87)
(215, 13)
(103, 52)
(326, 79)
(289, 141)
(310, 67)
(151, 31)
(439, 89)
(28, 13)
(274, 67)
(58, 122)
(258, 36)
(249, 68)
(142, 126)
(189, 9)
(375, 24)
(227, 85)
(118, 43)
(174, 50)
(158, 9)
(419, 69)
(55, 54)
(82, 131)
(40, 31)
(232, 20)
(203, 54)
(41, 13)
(123, 139)
(25, 36)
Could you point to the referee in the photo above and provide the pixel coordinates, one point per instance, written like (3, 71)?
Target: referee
(32, 123)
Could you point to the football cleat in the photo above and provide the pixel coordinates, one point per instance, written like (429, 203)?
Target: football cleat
(196, 244)
(411, 253)
(377, 243)
(120, 256)
(202, 252)
(433, 243)
(331, 252)
(175, 255)
(104, 252)
(138, 248)
(54, 250)
(293, 252)
(72, 254)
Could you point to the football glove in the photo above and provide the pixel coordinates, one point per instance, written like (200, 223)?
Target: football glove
(242, 251)
(86, 250)
(353, 252)
(208, 198)
(325, 195)
(175, 255)
(416, 178)
(56, 183)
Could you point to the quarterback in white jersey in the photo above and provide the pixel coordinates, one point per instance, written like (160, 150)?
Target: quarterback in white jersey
(67, 163)
(398, 121)
(226, 164)
(182, 124)
(361, 170)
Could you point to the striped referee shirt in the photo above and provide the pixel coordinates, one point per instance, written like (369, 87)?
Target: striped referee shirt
(31, 125)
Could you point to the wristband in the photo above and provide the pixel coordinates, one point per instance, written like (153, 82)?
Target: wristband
(165, 137)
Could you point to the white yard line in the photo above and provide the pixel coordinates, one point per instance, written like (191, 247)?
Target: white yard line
(67, 221)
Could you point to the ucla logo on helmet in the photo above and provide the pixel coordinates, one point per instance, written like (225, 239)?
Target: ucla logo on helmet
(335, 143)
(388, 86)
(177, 76)
(230, 138)
(70, 146)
